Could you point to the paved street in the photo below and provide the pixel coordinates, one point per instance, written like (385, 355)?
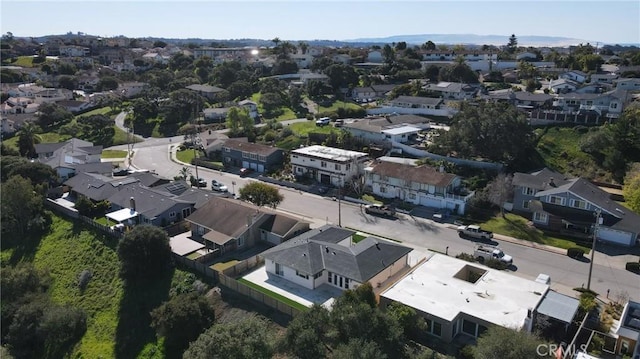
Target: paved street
(420, 233)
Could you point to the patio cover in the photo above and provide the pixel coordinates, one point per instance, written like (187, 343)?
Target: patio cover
(559, 306)
(218, 238)
(122, 215)
(183, 245)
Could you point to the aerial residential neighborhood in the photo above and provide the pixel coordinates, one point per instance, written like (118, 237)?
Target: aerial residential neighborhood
(419, 196)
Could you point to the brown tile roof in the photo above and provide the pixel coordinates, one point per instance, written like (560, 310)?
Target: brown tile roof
(249, 147)
(420, 174)
(229, 217)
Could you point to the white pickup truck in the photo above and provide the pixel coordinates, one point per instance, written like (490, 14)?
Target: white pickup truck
(482, 253)
(474, 232)
(380, 209)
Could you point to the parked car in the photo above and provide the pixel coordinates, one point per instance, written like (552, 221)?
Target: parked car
(200, 182)
(483, 253)
(379, 209)
(339, 123)
(474, 231)
(218, 186)
(245, 171)
(323, 121)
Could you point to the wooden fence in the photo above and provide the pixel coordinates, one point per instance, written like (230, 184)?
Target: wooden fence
(197, 266)
(244, 266)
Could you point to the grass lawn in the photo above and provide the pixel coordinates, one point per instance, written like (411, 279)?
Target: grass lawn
(114, 154)
(303, 128)
(517, 227)
(65, 252)
(224, 265)
(560, 149)
(187, 155)
(358, 237)
(97, 111)
(337, 105)
(273, 295)
(287, 114)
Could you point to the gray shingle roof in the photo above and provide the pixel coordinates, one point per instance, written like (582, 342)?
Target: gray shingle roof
(420, 174)
(418, 100)
(311, 253)
(97, 187)
(249, 147)
(539, 180)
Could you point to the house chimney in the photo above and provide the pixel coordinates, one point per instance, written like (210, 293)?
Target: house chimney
(441, 168)
(132, 204)
(551, 183)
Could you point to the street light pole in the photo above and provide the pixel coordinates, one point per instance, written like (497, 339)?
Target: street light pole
(593, 246)
(233, 188)
(339, 204)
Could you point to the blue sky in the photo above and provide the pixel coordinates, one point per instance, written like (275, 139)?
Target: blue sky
(593, 21)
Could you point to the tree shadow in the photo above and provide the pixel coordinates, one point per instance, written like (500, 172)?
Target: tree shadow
(134, 325)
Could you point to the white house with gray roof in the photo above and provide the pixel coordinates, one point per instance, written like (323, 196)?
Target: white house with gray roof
(328, 256)
(453, 90)
(417, 102)
(327, 165)
(401, 128)
(71, 157)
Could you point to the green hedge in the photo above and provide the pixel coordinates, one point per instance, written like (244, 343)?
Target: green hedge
(633, 267)
(575, 252)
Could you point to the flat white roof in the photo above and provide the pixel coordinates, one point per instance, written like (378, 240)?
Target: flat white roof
(122, 214)
(330, 153)
(183, 245)
(401, 130)
(497, 297)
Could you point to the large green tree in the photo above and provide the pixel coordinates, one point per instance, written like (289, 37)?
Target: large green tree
(247, 338)
(505, 343)
(28, 137)
(496, 132)
(261, 194)
(631, 189)
(51, 114)
(22, 208)
(144, 254)
(182, 319)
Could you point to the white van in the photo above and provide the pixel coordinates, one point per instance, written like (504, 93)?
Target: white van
(323, 121)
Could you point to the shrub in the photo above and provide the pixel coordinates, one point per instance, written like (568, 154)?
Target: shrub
(633, 267)
(466, 352)
(466, 257)
(496, 264)
(575, 252)
(84, 279)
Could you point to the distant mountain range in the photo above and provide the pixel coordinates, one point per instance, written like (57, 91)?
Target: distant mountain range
(472, 39)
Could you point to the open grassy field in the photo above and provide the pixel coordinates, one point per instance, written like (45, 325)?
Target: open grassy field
(518, 227)
(114, 154)
(337, 105)
(303, 128)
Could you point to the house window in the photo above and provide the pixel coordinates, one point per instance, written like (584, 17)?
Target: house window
(556, 200)
(346, 283)
(384, 178)
(528, 191)
(200, 230)
(302, 275)
(330, 276)
(348, 166)
(436, 328)
(279, 270)
(262, 158)
(383, 189)
(317, 275)
(172, 214)
(540, 217)
(412, 196)
(469, 327)
(525, 204)
(323, 164)
(299, 169)
(338, 167)
(227, 149)
(578, 204)
(245, 155)
(241, 242)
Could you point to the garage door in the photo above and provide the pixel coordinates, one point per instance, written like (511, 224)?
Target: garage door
(615, 237)
(430, 202)
(260, 168)
(245, 164)
(253, 166)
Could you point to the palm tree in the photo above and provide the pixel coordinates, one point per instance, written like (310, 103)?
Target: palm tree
(276, 41)
(27, 139)
(184, 173)
(303, 47)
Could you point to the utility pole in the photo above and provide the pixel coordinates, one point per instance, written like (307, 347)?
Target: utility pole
(339, 204)
(593, 245)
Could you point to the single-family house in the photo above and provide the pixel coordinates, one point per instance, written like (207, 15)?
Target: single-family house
(400, 128)
(221, 54)
(453, 90)
(575, 75)
(242, 153)
(96, 187)
(227, 225)
(251, 107)
(526, 56)
(131, 89)
(7, 126)
(52, 95)
(607, 78)
(628, 331)
(375, 56)
(152, 205)
(71, 157)
(449, 55)
(327, 165)
(207, 91)
(629, 84)
(421, 185)
(342, 59)
(328, 256)
(417, 102)
(608, 104)
(520, 99)
(372, 92)
(458, 298)
(562, 85)
(74, 106)
(74, 51)
(217, 114)
(569, 206)
(302, 60)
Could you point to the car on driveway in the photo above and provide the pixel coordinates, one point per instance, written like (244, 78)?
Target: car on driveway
(218, 186)
(200, 182)
(244, 171)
